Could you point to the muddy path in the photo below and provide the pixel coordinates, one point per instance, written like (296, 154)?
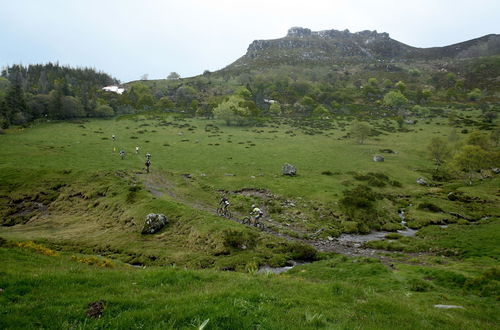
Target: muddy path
(349, 245)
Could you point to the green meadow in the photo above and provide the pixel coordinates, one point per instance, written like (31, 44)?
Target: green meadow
(72, 213)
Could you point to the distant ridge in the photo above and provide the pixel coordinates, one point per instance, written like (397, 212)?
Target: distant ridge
(301, 45)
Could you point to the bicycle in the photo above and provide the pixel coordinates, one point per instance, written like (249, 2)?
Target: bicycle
(248, 220)
(224, 212)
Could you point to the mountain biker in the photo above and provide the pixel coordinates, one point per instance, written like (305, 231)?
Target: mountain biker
(148, 164)
(256, 214)
(148, 156)
(136, 150)
(224, 204)
(113, 137)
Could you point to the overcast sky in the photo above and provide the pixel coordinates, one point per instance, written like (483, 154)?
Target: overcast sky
(128, 38)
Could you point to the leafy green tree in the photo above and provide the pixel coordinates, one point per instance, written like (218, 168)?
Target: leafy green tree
(231, 111)
(479, 139)
(71, 107)
(395, 99)
(439, 151)
(185, 95)
(164, 103)
(13, 103)
(401, 86)
(471, 159)
(360, 131)
(173, 76)
(495, 137)
(244, 93)
(308, 104)
(275, 109)
(146, 101)
(104, 111)
(38, 105)
(55, 104)
(371, 89)
(320, 111)
(475, 95)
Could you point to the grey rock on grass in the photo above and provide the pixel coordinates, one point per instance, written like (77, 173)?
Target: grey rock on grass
(154, 223)
(289, 169)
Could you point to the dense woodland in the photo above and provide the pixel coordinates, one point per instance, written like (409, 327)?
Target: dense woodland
(242, 97)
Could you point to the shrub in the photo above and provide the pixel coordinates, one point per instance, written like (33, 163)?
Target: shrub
(303, 252)
(419, 285)
(488, 284)
(374, 182)
(37, 248)
(238, 239)
(426, 206)
(391, 226)
(393, 236)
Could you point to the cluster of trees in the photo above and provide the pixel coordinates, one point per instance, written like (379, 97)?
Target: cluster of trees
(469, 158)
(52, 91)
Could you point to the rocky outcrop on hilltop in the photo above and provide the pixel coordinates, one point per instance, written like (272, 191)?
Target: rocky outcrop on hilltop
(302, 44)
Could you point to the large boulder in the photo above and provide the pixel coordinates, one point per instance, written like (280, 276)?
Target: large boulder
(289, 169)
(154, 223)
(378, 158)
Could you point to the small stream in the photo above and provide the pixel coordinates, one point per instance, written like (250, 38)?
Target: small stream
(279, 270)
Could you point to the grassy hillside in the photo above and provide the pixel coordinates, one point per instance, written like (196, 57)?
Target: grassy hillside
(55, 292)
(64, 190)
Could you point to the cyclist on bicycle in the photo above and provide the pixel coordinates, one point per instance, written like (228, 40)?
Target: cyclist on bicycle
(224, 204)
(256, 215)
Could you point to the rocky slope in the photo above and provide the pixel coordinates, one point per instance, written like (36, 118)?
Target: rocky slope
(302, 45)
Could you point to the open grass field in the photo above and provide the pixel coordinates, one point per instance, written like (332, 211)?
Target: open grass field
(64, 186)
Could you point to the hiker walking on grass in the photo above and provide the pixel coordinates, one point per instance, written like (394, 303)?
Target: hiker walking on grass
(122, 154)
(113, 137)
(136, 150)
(148, 164)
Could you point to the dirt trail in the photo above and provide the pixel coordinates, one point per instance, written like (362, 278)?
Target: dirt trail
(159, 186)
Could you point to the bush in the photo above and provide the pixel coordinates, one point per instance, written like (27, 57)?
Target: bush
(391, 226)
(488, 284)
(429, 207)
(393, 236)
(238, 239)
(349, 227)
(303, 252)
(419, 285)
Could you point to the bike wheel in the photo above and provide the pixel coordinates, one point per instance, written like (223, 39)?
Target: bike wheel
(219, 211)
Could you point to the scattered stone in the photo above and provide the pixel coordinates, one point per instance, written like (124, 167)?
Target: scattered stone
(229, 174)
(187, 176)
(448, 306)
(460, 216)
(421, 181)
(410, 121)
(330, 238)
(154, 223)
(95, 309)
(378, 158)
(387, 151)
(495, 170)
(252, 176)
(289, 169)
(203, 174)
